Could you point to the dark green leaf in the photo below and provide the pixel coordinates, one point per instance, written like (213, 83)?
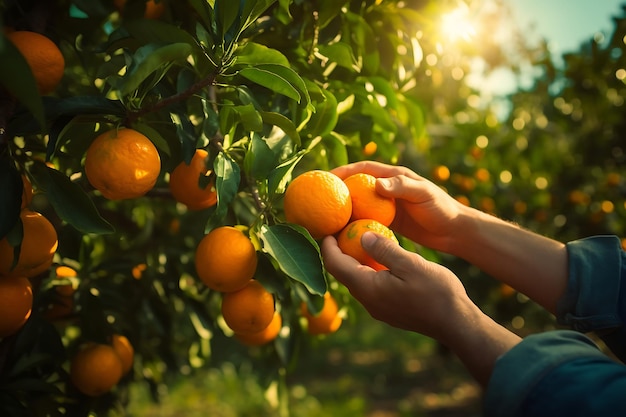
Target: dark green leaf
(297, 254)
(18, 79)
(339, 53)
(254, 54)
(252, 9)
(324, 120)
(149, 59)
(227, 12)
(227, 178)
(10, 196)
(69, 200)
(260, 159)
(186, 134)
(278, 78)
(280, 176)
(286, 125)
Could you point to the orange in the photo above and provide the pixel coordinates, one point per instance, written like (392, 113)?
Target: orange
(153, 10)
(225, 259)
(349, 240)
(63, 272)
(27, 192)
(185, 187)
(37, 248)
(95, 369)
(124, 350)
(264, 336)
(319, 201)
(326, 321)
(248, 310)
(370, 148)
(16, 303)
(441, 173)
(122, 164)
(63, 304)
(43, 57)
(366, 202)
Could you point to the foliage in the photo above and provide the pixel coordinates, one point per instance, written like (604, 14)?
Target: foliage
(271, 89)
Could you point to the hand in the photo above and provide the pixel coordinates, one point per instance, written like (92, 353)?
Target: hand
(425, 213)
(421, 296)
(414, 294)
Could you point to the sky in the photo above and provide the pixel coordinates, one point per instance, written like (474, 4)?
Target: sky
(566, 23)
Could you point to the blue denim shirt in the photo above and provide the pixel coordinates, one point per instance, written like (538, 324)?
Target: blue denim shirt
(563, 373)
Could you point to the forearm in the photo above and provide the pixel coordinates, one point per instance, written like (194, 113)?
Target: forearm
(532, 264)
(478, 342)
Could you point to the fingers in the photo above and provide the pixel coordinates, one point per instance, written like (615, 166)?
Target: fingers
(373, 168)
(414, 190)
(401, 263)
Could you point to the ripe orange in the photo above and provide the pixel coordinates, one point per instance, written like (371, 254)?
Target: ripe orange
(225, 259)
(319, 201)
(27, 192)
(43, 57)
(37, 248)
(122, 164)
(264, 336)
(153, 9)
(124, 350)
(16, 303)
(349, 240)
(441, 173)
(366, 202)
(185, 187)
(63, 303)
(248, 310)
(96, 369)
(326, 321)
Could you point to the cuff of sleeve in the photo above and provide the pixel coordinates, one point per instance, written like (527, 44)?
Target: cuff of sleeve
(590, 302)
(519, 370)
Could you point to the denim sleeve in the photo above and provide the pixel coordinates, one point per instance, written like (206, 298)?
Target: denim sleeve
(595, 298)
(557, 373)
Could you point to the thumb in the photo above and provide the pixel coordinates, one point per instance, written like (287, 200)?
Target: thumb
(387, 252)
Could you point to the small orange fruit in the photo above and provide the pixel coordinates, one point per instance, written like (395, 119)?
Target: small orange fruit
(225, 259)
(349, 240)
(366, 202)
(249, 310)
(326, 321)
(370, 148)
(37, 248)
(264, 336)
(319, 201)
(441, 173)
(16, 303)
(64, 272)
(96, 369)
(124, 350)
(43, 57)
(154, 9)
(185, 187)
(122, 164)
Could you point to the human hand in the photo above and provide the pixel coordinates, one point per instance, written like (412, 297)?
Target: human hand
(415, 294)
(425, 213)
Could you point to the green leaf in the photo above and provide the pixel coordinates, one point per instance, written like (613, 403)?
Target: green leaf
(227, 178)
(227, 12)
(280, 176)
(150, 58)
(337, 150)
(10, 196)
(249, 117)
(255, 54)
(296, 253)
(286, 125)
(384, 87)
(278, 78)
(252, 9)
(324, 120)
(339, 53)
(19, 80)
(69, 200)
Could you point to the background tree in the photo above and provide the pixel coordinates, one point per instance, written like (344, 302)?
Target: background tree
(268, 89)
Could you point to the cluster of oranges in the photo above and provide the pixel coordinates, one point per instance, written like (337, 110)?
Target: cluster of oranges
(17, 264)
(97, 367)
(226, 261)
(324, 204)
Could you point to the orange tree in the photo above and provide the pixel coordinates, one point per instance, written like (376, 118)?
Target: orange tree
(245, 95)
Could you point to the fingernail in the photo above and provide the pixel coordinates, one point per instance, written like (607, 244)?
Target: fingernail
(368, 239)
(384, 182)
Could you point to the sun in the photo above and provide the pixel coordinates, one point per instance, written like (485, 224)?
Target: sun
(457, 24)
